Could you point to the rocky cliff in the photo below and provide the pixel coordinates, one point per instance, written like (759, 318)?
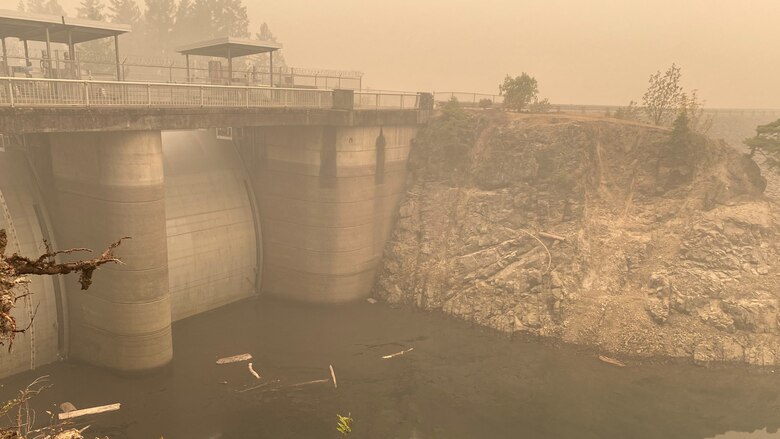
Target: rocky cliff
(594, 231)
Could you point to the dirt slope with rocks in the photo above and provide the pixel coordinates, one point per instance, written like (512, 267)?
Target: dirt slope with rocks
(594, 231)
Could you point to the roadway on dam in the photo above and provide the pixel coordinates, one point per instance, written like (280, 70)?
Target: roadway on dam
(458, 382)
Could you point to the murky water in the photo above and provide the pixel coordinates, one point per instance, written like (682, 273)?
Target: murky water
(458, 382)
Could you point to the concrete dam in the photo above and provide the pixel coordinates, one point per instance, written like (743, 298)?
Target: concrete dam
(291, 203)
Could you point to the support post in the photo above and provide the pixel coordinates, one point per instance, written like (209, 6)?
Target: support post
(5, 60)
(230, 67)
(47, 63)
(271, 58)
(187, 57)
(116, 53)
(72, 56)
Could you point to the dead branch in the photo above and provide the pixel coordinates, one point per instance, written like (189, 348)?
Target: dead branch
(45, 265)
(15, 268)
(551, 236)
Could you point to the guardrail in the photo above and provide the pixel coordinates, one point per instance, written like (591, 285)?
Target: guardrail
(39, 93)
(33, 92)
(386, 100)
(89, 66)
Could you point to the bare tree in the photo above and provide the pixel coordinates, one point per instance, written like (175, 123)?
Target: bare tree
(664, 97)
(15, 268)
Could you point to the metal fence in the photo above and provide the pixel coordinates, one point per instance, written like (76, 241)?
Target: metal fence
(86, 66)
(468, 99)
(38, 92)
(34, 92)
(386, 100)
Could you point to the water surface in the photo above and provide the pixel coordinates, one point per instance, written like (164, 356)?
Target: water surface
(458, 382)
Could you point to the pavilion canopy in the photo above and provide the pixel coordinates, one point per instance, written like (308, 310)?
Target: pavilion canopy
(32, 27)
(228, 47)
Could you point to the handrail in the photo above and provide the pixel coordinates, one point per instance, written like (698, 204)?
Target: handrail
(42, 92)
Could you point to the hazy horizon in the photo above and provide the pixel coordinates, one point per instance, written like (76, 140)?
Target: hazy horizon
(595, 52)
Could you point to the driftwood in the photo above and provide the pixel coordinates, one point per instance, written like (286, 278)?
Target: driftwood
(90, 411)
(258, 386)
(234, 359)
(397, 354)
(551, 236)
(333, 375)
(45, 264)
(15, 268)
(611, 361)
(252, 371)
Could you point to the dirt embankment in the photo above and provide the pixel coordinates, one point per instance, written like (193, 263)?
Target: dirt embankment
(594, 231)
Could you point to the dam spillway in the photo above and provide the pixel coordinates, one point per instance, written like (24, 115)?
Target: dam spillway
(299, 212)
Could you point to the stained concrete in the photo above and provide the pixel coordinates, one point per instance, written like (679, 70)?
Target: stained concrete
(213, 238)
(325, 215)
(110, 185)
(23, 216)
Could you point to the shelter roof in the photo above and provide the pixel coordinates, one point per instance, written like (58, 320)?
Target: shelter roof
(32, 27)
(224, 46)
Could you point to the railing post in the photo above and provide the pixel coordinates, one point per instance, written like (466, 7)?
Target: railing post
(149, 94)
(86, 93)
(343, 99)
(201, 95)
(247, 97)
(10, 93)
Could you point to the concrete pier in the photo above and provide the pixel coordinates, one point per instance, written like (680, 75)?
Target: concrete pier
(110, 185)
(327, 197)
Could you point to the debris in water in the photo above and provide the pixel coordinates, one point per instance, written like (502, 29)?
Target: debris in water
(223, 382)
(67, 406)
(371, 300)
(252, 371)
(235, 359)
(397, 353)
(551, 236)
(333, 375)
(90, 411)
(611, 361)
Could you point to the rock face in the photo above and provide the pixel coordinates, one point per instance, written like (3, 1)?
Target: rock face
(596, 232)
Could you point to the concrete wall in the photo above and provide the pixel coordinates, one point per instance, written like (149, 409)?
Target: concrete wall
(212, 241)
(327, 197)
(109, 185)
(23, 216)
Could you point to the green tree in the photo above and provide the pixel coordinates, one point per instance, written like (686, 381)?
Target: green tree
(681, 130)
(91, 10)
(629, 112)
(262, 60)
(767, 143)
(124, 11)
(229, 18)
(664, 96)
(518, 92)
(159, 17)
(42, 6)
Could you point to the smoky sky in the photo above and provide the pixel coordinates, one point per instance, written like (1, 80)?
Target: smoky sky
(580, 51)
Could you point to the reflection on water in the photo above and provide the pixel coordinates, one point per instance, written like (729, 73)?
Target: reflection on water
(458, 382)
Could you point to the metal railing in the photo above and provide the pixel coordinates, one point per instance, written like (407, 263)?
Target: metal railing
(36, 92)
(87, 66)
(468, 98)
(41, 93)
(386, 100)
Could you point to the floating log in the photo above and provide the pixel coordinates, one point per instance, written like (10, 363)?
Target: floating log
(90, 411)
(551, 236)
(235, 359)
(611, 361)
(397, 354)
(333, 375)
(252, 371)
